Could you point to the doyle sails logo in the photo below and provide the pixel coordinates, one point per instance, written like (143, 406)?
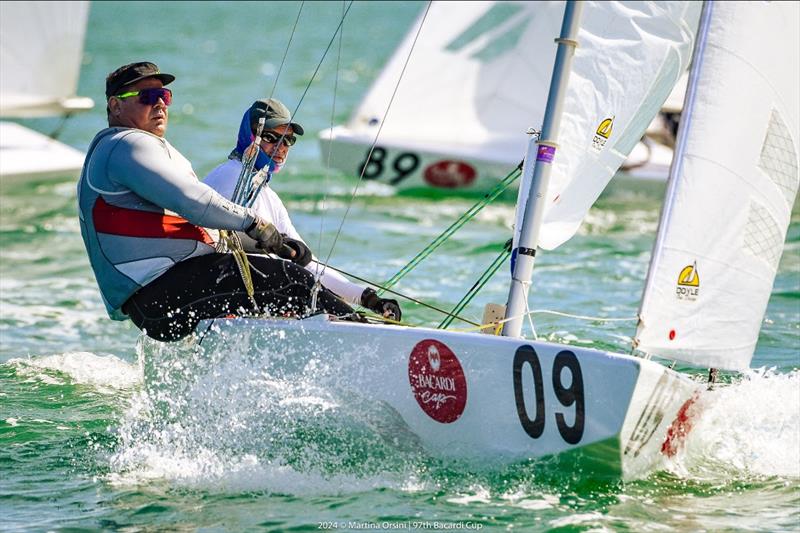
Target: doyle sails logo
(602, 133)
(688, 287)
(437, 381)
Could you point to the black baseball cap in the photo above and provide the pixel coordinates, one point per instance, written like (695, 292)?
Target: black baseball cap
(133, 72)
(276, 114)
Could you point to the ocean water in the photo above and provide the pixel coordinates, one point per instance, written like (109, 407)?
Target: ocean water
(83, 447)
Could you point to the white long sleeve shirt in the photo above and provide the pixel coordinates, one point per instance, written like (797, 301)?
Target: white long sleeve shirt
(269, 206)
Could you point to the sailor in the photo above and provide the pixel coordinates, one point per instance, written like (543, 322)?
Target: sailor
(149, 226)
(278, 135)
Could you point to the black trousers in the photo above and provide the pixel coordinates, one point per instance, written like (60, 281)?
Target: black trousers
(210, 286)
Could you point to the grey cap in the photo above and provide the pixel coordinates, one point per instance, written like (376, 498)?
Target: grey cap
(276, 114)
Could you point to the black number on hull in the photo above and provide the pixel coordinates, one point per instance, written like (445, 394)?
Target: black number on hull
(404, 164)
(373, 166)
(526, 354)
(569, 395)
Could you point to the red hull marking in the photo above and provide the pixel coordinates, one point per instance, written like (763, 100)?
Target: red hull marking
(437, 381)
(450, 174)
(680, 428)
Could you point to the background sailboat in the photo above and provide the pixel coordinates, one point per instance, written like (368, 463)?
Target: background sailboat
(41, 47)
(476, 80)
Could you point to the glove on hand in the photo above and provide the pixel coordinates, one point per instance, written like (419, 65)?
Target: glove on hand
(383, 306)
(302, 253)
(267, 238)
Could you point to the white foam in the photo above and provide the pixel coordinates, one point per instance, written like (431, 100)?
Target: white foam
(107, 373)
(751, 427)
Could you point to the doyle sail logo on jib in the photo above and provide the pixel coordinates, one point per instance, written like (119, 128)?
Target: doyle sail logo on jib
(688, 287)
(602, 133)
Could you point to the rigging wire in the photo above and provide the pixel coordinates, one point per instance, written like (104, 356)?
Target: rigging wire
(318, 275)
(479, 284)
(255, 193)
(286, 51)
(455, 226)
(377, 134)
(401, 295)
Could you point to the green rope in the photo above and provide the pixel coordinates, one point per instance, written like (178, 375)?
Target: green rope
(470, 213)
(479, 284)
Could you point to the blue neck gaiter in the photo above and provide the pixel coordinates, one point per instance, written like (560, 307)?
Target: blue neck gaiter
(244, 140)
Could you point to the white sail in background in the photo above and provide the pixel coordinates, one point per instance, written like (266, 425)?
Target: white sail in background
(722, 231)
(630, 55)
(477, 79)
(41, 47)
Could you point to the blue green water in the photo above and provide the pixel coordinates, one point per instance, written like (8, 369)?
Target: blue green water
(80, 448)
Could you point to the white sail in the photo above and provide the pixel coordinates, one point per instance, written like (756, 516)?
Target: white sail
(469, 90)
(630, 55)
(722, 231)
(41, 47)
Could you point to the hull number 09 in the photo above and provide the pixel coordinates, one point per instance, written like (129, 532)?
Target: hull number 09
(568, 396)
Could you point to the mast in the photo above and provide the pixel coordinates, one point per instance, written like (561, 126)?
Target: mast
(541, 167)
(676, 169)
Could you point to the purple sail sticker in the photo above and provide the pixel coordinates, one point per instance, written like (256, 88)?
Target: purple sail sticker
(546, 153)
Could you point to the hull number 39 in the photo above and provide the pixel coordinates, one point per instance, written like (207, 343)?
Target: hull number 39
(570, 396)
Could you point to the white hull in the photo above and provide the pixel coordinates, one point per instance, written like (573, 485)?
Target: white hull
(469, 168)
(28, 155)
(467, 396)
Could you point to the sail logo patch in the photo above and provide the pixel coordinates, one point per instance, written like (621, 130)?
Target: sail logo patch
(688, 287)
(450, 174)
(437, 381)
(602, 134)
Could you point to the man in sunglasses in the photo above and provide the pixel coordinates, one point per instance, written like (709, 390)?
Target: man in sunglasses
(277, 137)
(149, 225)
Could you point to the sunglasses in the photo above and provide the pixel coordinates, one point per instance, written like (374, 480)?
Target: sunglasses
(150, 96)
(272, 138)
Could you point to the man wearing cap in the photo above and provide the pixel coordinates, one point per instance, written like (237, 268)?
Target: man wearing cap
(277, 136)
(149, 225)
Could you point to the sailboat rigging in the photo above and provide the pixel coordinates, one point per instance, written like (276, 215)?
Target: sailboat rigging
(507, 398)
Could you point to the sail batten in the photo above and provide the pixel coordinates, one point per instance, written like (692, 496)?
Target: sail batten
(731, 193)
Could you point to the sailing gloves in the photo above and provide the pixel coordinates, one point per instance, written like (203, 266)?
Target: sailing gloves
(268, 239)
(302, 253)
(382, 306)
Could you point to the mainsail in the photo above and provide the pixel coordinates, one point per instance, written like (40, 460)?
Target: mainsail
(723, 226)
(41, 47)
(630, 55)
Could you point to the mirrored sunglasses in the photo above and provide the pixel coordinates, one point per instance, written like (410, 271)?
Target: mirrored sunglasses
(150, 96)
(272, 138)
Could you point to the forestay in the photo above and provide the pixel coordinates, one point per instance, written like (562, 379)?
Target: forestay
(629, 57)
(723, 228)
(41, 48)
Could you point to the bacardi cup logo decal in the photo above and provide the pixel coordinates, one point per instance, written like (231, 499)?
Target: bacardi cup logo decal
(437, 381)
(449, 174)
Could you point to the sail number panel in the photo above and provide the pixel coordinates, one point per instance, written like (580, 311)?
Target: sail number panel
(568, 395)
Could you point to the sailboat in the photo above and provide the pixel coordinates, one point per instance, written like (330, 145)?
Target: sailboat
(504, 398)
(39, 78)
(447, 110)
